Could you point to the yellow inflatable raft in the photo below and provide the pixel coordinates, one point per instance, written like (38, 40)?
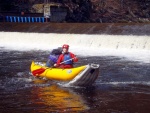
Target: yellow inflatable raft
(82, 75)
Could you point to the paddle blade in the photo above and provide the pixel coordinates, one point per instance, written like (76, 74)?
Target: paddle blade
(38, 71)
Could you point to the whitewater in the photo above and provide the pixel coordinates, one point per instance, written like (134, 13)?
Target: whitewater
(136, 48)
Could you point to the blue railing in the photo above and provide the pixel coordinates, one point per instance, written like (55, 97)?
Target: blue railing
(24, 19)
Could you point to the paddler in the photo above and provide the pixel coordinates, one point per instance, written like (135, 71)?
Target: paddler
(53, 57)
(66, 59)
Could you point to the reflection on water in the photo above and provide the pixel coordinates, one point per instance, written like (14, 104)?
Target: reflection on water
(59, 99)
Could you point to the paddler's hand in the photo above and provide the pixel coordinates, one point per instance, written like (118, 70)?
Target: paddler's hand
(55, 65)
(75, 59)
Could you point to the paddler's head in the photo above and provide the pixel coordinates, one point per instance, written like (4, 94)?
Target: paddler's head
(65, 48)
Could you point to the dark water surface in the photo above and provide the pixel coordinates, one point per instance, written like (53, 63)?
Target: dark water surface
(122, 87)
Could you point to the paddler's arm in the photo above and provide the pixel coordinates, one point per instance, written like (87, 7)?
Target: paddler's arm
(75, 58)
(58, 61)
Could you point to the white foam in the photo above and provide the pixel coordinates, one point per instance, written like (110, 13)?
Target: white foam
(133, 47)
(128, 83)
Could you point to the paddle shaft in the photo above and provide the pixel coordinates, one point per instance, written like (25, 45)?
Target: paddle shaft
(67, 60)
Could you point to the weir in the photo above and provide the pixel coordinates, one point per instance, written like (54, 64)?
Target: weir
(45, 41)
(84, 39)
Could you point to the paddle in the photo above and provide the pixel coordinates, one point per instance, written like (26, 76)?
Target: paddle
(41, 70)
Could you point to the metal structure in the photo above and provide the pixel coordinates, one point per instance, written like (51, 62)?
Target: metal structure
(47, 12)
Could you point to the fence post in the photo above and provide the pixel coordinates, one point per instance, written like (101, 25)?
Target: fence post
(25, 19)
(7, 18)
(42, 19)
(36, 19)
(11, 19)
(18, 19)
(39, 19)
(21, 19)
(32, 19)
(15, 19)
(28, 19)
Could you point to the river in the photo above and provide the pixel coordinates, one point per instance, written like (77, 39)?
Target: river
(123, 84)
